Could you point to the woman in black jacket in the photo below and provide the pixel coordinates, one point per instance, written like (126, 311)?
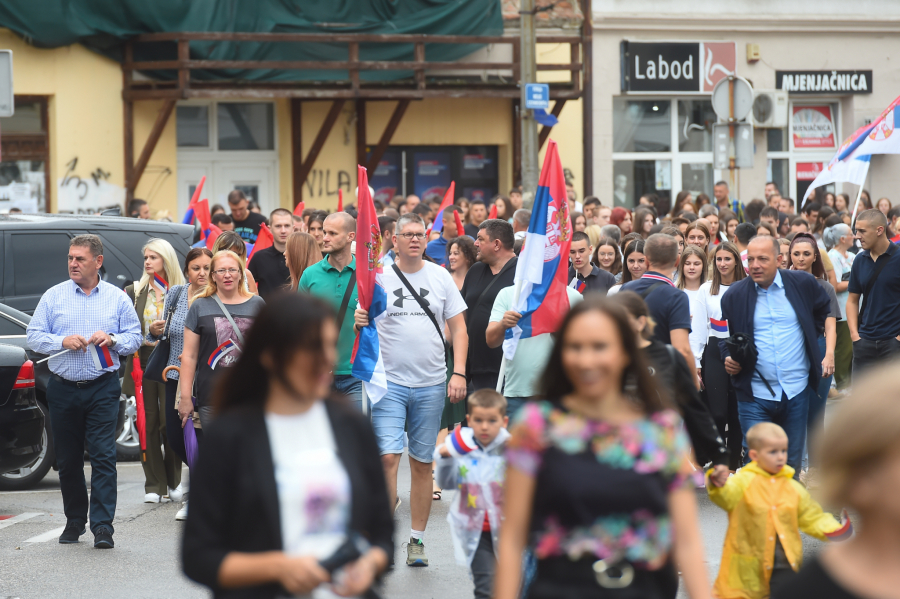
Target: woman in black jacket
(673, 374)
(286, 477)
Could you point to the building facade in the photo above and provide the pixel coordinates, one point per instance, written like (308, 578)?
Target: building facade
(828, 69)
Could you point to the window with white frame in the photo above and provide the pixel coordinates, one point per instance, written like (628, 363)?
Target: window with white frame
(226, 126)
(661, 145)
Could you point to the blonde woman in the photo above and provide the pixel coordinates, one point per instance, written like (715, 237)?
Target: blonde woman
(229, 240)
(300, 252)
(219, 317)
(162, 470)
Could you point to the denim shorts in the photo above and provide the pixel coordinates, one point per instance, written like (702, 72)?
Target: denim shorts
(351, 387)
(419, 409)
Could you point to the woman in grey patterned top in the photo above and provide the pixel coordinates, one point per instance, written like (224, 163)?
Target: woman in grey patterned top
(196, 269)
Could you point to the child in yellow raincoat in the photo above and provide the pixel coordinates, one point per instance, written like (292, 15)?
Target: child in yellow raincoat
(767, 509)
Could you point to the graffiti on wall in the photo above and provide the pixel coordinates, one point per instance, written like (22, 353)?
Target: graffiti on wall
(88, 193)
(320, 184)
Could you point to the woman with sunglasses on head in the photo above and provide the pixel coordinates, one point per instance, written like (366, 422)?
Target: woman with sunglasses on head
(805, 256)
(288, 476)
(214, 329)
(718, 391)
(597, 481)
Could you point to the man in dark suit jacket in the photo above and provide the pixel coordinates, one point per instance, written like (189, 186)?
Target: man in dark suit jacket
(784, 312)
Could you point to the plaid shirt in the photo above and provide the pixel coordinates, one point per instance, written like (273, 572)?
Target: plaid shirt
(66, 310)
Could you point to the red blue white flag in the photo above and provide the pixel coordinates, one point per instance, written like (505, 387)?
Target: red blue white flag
(719, 328)
(578, 285)
(543, 267)
(368, 365)
(101, 355)
(220, 352)
(160, 283)
(437, 225)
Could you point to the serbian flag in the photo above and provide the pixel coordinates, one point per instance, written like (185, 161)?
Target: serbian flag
(160, 283)
(875, 138)
(543, 267)
(852, 168)
(102, 357)
(263, 240)
(368, 365)
(220, 352)
(578, 285)
(191, 212)
(718, 328)
(210, 240)
(438, 224)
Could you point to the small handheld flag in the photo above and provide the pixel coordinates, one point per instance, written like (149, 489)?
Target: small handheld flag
(264, 240)
(189, 215)
(220, 352)
(340, 200)
(719, 327)
(160, 283)
(460, 229)
(578, 285)
(493, 213)
(299, 208)
(438, 224)
(101, 355)
(461, 441)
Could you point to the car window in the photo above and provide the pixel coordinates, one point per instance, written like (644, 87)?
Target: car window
(8, 327)
(39, 261)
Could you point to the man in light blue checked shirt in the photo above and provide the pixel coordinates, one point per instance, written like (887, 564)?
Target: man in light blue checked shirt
(84, 399)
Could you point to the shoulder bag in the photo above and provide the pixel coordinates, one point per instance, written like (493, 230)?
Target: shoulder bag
(424, 306)
(159, 357)
(346, 301)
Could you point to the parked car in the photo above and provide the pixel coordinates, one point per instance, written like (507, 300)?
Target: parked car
(35, 248)
(22, 431)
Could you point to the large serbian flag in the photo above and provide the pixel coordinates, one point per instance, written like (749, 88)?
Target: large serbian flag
(543, 266)
(367, 363)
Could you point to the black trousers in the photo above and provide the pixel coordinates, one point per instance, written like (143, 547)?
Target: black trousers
(868, 353)
(484, 564)
(173, 423)
(721, 399)
(86, 417)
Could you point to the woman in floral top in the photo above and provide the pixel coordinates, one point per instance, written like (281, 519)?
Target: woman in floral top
(598, 483)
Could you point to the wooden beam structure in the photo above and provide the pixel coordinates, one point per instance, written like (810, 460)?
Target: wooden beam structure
(389, 130)
(545, 131)
(587, 104)
(308, 162)
(360, 132)
(296, 149)
(162, 118)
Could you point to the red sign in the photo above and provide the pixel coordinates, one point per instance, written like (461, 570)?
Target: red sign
(808, 171)
(813, 127)
(718, 62)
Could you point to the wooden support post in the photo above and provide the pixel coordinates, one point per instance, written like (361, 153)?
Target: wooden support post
(128, 118)
(161, 119)
(420, 71)
(360, 132)
(587, 103)
(353, 56)
(296, 149)
(517, 142)
(184, 75)
(324, 130)
(545, 131)
(392, 125)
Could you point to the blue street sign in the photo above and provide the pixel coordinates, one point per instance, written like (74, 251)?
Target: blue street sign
(537, 95)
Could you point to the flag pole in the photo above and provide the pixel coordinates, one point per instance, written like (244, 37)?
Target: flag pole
(858, 196)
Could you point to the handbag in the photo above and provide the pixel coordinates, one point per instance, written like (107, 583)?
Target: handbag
(159, 357)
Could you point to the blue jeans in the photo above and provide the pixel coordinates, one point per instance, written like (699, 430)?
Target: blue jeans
(789, 414)
(86, 417)
(514, 404)
(816, 418)
(419, 410)
(349, 385)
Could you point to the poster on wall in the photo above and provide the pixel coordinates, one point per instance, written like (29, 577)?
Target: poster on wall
(808, 171)
(386, 178)
(432, 174)
(813, 127)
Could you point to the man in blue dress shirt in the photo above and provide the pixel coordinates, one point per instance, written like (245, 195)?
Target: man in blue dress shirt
(783, 311)
(96, 322)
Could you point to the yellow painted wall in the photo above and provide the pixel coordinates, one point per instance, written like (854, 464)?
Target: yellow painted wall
(159, 183)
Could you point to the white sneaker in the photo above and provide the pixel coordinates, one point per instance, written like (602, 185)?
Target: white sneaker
(176, 494)
(182, 513)
(154, 498)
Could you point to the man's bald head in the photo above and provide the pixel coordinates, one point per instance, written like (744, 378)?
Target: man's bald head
(343, 220)
(764, 242)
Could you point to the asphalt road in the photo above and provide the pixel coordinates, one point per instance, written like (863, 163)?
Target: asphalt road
(145, 560)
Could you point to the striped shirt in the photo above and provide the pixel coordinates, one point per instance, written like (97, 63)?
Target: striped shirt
(66, 310)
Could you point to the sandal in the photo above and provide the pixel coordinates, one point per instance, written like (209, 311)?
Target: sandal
(436, 495)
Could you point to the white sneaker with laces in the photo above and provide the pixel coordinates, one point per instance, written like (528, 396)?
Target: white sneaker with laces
(152, 498)
(182, 513)
(176, 494)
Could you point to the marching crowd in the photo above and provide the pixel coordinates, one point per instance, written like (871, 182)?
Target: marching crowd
(702, 344)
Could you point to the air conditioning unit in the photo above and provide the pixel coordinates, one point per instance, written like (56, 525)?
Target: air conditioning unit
(770, 109)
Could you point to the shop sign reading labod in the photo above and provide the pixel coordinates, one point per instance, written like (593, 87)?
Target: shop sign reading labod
(683, 67)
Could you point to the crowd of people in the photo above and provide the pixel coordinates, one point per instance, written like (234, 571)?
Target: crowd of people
(698, 352)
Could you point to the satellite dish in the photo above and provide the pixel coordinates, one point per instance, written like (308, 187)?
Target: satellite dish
(743, 98)
(763, 108)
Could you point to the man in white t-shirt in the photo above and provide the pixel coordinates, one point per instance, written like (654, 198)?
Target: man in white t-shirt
(522, 373)
(412, 347)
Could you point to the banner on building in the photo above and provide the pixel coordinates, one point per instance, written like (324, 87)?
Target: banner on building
(817, 82)
(685, 67)
(813, 127)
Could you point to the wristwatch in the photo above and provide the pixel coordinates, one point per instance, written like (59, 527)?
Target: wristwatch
(112, 340)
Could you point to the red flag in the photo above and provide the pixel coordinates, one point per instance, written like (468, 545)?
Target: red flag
(368, 236)
(214, 233)
(341, 200)
(493, 212)
(201, 212)
(299, 208)
(460, 229)
(263, 240)
(447, 201)
(137, 375)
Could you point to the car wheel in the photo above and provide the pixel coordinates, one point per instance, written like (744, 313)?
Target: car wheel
(30, 475)
(128, 444)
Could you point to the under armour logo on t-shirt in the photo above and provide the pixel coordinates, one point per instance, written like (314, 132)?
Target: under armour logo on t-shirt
(400, 297)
